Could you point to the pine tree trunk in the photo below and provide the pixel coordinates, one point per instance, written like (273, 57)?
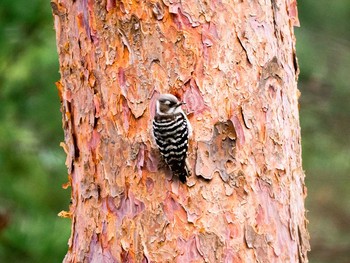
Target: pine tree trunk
(234, 65)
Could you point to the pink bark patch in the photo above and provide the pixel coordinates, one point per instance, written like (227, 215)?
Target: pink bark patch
(128, 206)
(110, 5)
(293, 13)
(152, 161)
(239, 130)
(231, 256)
(260, 215)
(152, 104)
(95, 140)
(149, 184)
(97, 103)
(209, 34)
(182, 18)
(188, 250)
(97, 253)
(193, 99)
(174, 210)
(126, 114)
(83, 17)
(122, 80)
(140, 159)
(67, 95)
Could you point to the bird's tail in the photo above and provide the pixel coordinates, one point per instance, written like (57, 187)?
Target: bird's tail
(182, 174)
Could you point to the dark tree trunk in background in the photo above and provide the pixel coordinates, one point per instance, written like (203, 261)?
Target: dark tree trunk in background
(234, 65)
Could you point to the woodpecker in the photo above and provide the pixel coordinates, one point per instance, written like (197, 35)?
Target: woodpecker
(171, 130)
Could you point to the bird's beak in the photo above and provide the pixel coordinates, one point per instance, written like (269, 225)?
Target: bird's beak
(180, 103)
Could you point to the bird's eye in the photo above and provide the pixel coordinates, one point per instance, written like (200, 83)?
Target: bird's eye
(167, 102)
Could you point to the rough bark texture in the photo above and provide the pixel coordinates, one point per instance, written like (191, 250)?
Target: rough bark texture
(234, 65)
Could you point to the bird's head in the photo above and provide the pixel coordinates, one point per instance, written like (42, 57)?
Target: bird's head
(168, 104)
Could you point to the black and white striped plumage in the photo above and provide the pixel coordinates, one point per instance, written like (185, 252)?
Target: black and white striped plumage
(171, 130)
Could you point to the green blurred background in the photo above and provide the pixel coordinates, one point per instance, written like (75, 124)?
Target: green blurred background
(32, 166)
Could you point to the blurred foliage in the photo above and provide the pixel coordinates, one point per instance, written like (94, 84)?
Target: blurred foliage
(323, 47)
(32, 164)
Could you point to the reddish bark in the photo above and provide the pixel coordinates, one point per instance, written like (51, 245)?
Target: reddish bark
(234, 65)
